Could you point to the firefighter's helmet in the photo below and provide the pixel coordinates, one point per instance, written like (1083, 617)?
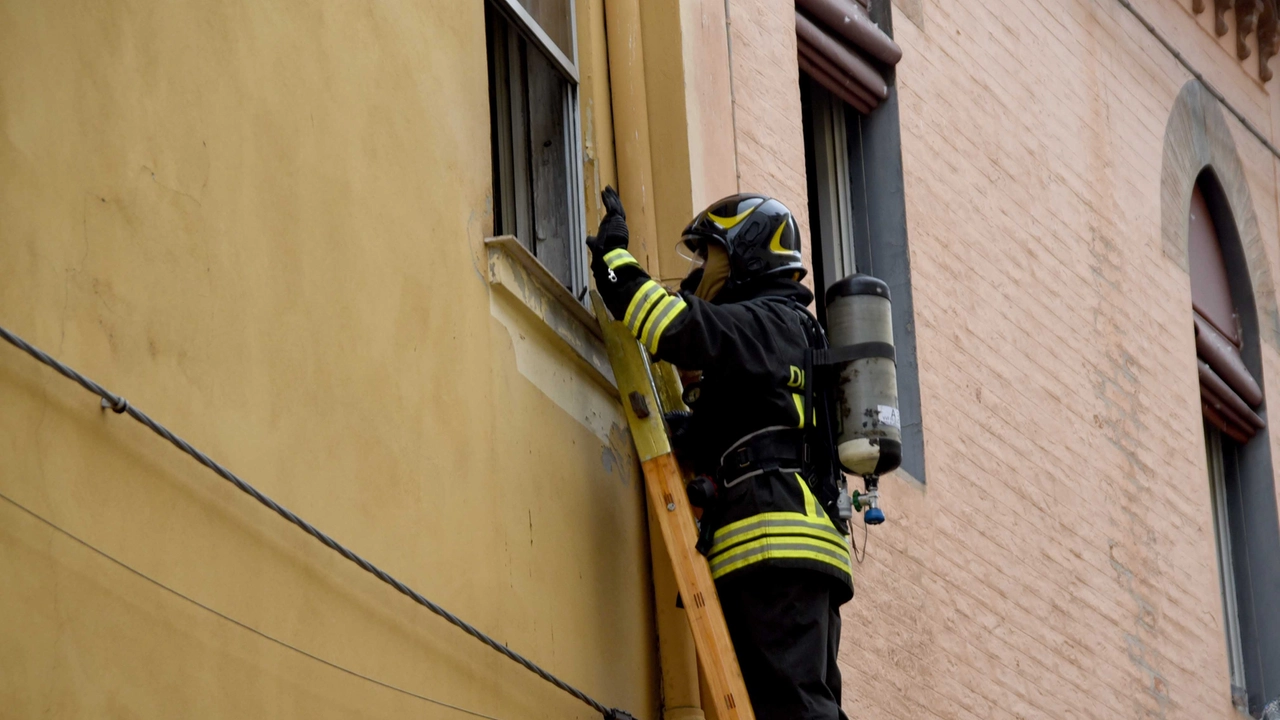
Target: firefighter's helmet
(757, 231)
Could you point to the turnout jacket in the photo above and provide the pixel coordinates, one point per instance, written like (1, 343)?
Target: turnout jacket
(751, 355)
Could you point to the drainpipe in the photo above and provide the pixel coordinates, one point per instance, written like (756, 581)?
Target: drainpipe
(631, 128)
(681, 699)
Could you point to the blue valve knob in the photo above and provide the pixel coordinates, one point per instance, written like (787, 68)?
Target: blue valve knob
(868, 504)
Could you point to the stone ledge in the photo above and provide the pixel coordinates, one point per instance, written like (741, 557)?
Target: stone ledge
(513, 269)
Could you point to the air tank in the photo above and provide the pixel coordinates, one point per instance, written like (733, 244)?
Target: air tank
(860, 331)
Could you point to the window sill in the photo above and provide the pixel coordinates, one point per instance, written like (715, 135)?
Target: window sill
(513, 269)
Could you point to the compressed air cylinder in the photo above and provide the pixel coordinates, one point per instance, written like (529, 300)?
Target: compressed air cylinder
(860, 323)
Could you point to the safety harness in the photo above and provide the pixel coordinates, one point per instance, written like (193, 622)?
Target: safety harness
(772, 448)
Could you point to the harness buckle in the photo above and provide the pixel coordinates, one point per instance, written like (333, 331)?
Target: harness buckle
(743, 455)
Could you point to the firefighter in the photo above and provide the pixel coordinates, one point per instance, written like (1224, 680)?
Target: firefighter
(739, 325)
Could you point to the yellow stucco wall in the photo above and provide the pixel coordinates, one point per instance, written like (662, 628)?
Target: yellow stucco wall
(262, 223)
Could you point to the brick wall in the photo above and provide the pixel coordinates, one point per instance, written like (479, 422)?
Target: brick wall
(766, 104)
(1060, 562)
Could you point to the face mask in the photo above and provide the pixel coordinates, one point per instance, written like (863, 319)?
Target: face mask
(691, 281)
(715, 272)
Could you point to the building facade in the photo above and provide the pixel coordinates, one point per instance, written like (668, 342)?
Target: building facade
(337, 247)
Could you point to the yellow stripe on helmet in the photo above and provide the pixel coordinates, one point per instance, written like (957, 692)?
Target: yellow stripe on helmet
(775, 244)
(727, 223)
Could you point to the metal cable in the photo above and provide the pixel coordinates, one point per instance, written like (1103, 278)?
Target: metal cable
(1186, 64)
(121, 405)
(74, 538)
(854, 544)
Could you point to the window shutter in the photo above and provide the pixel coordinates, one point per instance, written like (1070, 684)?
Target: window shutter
(840, 47)
(1228, 391)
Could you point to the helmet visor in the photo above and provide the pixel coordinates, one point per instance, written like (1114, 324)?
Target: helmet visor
(693, 249)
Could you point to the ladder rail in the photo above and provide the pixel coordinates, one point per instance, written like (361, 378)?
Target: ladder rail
(665, 488)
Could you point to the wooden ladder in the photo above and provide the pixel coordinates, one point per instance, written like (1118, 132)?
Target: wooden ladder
(644, 401)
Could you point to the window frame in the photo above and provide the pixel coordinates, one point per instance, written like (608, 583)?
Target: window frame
(858, 221)
(1226, 564)
(830, 186)
(568, 66)
(1253, 518)
(515, 192)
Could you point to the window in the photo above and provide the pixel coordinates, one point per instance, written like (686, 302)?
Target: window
(533, 101)
(1241, 483)
(1213, 442)
(830, 204)
(853, 160)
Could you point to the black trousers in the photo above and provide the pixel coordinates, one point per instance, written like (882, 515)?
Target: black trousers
(786, 633)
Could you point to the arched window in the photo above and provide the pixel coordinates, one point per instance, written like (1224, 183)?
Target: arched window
(1229, 393)
(1232, 400)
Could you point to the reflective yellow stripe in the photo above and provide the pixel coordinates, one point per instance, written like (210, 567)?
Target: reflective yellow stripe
(767, 517)
(810, 505)
(779, 529)
(799, 401)
(638, 298)
(781, 548)
(619, 257)
(646, 311)
(727, 223)
(659, 311)
(657, 335)
(647, 295)
(776, 243)
(666, 309)
(810, 544)
(642, 332)
(815, 522)
(720, 571)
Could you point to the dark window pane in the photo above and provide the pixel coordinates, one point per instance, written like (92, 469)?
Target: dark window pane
(870, 234)
(504, 73)
(549, 165)
(555, 18)
(531, 105)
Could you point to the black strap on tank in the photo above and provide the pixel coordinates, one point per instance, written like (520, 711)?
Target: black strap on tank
(824, 473)
(808, 380)
(849, 353)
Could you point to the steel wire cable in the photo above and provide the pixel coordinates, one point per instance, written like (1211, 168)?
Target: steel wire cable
(120, 563)
(120, 405)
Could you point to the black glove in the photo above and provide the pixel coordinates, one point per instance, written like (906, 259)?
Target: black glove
(686, 441)
(701, 491)
(679, 424)
(612, 233)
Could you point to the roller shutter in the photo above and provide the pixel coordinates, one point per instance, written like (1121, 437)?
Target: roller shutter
(1229, 394)
(840, 47)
